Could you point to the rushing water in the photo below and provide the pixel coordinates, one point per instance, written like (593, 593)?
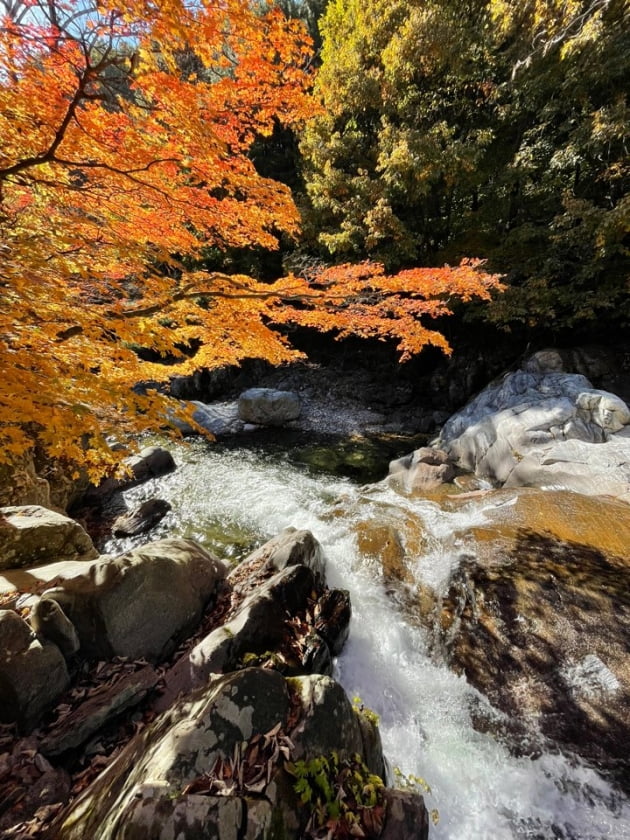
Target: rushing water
(232, 500)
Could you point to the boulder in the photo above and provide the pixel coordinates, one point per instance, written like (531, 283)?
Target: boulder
(141, 519)
(50, 622)
(542, 427)
(291, 547)
(32, 535)
(538, 620)
(32, 674)
(232, 736)
(150, 462)
(139, 604)
(219, 419)
(406, 818)
(258, 626)
(268, 407)
(422, 470)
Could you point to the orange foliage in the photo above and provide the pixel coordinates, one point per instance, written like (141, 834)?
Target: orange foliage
(125, 134)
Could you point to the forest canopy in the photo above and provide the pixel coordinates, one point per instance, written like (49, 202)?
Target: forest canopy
(127, 132)
(494, 128)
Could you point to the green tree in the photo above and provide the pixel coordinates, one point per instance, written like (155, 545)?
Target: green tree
(492, 128)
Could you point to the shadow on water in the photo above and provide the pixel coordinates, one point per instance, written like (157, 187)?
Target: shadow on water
(361, 458)
(545, 635)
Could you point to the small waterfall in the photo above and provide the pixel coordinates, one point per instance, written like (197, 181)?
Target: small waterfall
(479, 789)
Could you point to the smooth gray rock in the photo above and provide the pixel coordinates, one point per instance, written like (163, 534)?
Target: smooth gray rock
(32, 675)
(219, 419)
(268, 407)
(141, 603)
(31, 535)
(539, 428)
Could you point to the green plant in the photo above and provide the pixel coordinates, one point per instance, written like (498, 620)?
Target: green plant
(342, 797)
(368, 714)
(415, 784)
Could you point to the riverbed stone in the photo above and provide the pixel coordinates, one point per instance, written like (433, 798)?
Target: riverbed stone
(50, 622)
(32, 535)
(257, 626)
(141, 603)
(422, 470)
(140, 519)
(219, 419)
(268, 406)
(291, 547)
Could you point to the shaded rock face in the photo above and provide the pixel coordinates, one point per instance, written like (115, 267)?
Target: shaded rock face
(276, 581)
(541, 426)
(268, 407)
(150, 790)
(32, 674)
(138, 604)
(540, 623)
(31, 535)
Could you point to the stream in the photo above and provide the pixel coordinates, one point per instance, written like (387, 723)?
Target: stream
(231, 500)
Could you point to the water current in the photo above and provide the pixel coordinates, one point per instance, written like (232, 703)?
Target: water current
(232, 500)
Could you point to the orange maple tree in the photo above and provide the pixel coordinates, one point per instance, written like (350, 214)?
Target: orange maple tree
(125, 129)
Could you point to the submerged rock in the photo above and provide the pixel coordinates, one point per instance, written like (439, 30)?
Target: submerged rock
(537, 617)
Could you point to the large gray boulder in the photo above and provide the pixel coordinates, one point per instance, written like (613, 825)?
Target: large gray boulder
(540, 426)
(32, 535)
(32, 674)
(139, 604)
(218, 418)
(268, 407)
(231, 737)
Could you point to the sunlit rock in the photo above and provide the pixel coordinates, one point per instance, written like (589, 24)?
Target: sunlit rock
(268, 407)
(543, 427)
(30, 535)
(140, 603)
(537, 616)
(165, 782)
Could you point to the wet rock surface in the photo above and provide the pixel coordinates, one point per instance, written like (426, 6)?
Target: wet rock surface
(141, 519)
(538, 619)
